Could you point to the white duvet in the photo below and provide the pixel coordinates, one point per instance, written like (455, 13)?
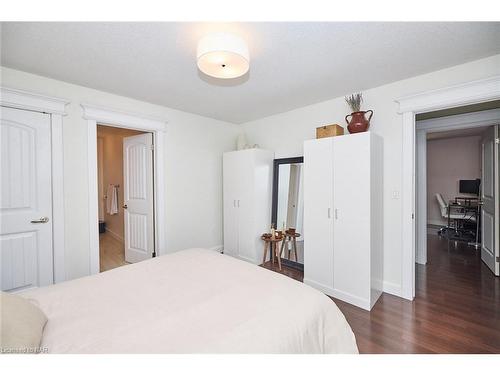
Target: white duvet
(192, 301)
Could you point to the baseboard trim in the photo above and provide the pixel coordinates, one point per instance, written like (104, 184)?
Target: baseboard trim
(392, 288)
(420, 258)
(335, 293)
(353, 300)
(115, 236)
(325, 289)
(437, 223)
(250, 260)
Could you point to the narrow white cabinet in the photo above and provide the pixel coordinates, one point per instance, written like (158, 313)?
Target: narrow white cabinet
(247, 190)
(343, 253)
(318, 209)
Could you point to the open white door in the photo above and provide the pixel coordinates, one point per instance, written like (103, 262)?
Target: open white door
(138, 197)
(490, 197)
(26, 254)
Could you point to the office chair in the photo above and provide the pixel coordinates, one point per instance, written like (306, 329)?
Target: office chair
(453, 213)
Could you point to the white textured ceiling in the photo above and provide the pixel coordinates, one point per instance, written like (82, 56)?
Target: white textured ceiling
(292, 64)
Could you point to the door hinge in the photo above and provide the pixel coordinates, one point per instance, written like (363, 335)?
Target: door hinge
(152, 147)
(497, 141)
(412, 216)
(498, 259)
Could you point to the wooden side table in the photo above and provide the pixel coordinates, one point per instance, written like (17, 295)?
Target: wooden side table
(290, 237)
(273, 244)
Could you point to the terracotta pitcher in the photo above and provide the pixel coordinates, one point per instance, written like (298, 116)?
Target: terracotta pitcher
(358, 123)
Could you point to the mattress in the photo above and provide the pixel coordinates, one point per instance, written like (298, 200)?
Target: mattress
(192, 301)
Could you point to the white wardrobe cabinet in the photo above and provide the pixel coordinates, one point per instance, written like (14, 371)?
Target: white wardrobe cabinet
(343, 255)
(247, 191)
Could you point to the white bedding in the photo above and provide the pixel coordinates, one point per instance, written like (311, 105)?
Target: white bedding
(192, 301)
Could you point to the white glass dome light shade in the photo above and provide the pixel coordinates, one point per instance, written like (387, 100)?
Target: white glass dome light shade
(223, 55)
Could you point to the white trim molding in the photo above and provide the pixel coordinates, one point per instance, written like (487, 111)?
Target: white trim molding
(463, 121)
(31, 101)
(111, 117)
(392, 288)
(463, 94)
(56, 107)
(424, 127)
(115, 236)
(454, 96)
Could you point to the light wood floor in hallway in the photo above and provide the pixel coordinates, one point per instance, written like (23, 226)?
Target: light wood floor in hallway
(111, 252)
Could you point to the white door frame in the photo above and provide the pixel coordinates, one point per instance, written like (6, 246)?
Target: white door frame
(424, 127)
(56, 108)
(103, 116)
(459, 95)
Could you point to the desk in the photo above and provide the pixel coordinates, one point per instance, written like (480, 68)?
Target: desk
(466, 211)
(467, 201)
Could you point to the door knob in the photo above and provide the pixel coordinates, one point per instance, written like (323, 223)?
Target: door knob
(42, 220)
(125, 206)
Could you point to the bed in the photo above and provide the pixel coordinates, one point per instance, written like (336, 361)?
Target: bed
(192, 301)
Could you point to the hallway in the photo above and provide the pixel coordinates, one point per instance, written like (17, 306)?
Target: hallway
(111, 252)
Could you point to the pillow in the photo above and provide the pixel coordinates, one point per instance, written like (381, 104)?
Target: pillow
(21, 325)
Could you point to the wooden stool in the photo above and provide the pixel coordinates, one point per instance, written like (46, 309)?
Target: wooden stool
(290, 237)
(273, 243)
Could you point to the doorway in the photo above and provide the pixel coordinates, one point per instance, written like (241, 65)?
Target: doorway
(458, 96)
(124, 165)
(156, 130)
(456, 168)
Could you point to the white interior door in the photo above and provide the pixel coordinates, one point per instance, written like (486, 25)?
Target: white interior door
(490, 198)
(318, 212)
(138, 197)
(26, 200)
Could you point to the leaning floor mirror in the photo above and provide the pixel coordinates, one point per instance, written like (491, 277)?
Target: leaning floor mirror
(288, 209)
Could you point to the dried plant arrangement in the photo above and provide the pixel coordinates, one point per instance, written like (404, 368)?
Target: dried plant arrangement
(354, 101)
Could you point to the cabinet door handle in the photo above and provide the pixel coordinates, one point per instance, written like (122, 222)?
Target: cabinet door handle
(336, 214)
(238, 203)
(41, 220)
(234, 202)
(329, 213)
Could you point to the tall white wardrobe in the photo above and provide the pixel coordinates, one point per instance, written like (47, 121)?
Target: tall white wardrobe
(343, 255)
(247, 185)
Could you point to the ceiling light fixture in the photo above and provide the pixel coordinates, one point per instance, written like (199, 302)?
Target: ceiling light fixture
(223, 55)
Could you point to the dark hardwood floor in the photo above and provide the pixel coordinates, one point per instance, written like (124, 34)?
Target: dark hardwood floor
(456, 308)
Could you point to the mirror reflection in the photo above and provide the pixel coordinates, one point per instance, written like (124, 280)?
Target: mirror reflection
(290, 210)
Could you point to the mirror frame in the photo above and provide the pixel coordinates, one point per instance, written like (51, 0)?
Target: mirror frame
(274, 206)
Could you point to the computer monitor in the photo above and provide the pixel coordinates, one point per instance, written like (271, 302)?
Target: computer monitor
(469, 186)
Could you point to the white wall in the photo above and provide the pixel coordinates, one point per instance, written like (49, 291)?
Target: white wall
(448, 161)
(285, 133)
(194, 148)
